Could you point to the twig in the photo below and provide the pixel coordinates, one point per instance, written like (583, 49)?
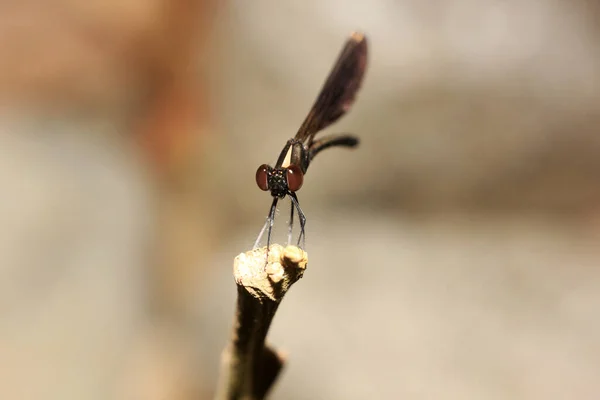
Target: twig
(248, 366)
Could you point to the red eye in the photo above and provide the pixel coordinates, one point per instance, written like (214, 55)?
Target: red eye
(294, 177)
(262, 175)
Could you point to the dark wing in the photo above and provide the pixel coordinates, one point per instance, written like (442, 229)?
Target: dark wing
(339, 91)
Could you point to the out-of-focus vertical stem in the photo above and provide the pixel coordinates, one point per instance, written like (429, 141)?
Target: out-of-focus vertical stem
(249, 367)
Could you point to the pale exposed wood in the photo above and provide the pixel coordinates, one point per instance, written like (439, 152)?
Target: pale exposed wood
(249, 367)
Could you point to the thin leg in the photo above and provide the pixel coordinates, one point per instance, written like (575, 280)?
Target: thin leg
(291, 224)
(268, 224)
(302, 218)
(262, 231)
(271, 221)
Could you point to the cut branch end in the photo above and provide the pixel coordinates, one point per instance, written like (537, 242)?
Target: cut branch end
(249, 366)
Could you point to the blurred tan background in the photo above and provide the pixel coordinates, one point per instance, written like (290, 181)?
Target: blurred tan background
(453, 255)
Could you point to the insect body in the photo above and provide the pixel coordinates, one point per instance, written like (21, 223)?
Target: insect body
(334, 100)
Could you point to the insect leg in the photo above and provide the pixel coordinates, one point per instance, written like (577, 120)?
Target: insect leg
(271, 221)
(268, 224)
(291, 224)
(302, 218)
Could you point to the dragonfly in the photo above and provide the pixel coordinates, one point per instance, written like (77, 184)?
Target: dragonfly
(335, 99)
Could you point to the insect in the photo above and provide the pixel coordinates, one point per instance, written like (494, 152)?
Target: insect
(334, 100)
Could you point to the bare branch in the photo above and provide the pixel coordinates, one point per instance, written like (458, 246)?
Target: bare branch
(248, 366)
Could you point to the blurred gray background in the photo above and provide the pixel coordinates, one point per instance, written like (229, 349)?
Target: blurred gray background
(453, 255)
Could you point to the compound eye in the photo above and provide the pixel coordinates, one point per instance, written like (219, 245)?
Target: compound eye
(262, 177)
(294, 177)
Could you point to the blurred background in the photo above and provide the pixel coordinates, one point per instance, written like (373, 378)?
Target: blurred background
(453, 255)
